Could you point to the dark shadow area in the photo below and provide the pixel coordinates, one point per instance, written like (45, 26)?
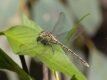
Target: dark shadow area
(3, 76)
(36, 70)
(100, 39)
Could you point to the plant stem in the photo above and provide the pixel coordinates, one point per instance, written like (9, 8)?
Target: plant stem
(23, 62)
(45, 72)
(56, 75)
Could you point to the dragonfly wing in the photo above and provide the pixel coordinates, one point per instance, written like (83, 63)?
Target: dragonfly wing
(63, 24)
(75, 35)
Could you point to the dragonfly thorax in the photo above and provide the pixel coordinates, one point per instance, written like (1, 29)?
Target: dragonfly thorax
(47, 38)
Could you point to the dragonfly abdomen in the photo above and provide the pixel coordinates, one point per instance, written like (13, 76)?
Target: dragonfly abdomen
(70, 51)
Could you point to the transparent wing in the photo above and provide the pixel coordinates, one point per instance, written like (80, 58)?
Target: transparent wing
(75, 35)
(63, 24)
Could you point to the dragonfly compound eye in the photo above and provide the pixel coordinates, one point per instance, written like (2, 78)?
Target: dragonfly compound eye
(39, 39)
(45, 42)
(42, 40)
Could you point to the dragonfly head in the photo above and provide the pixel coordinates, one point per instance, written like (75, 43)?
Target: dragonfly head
(44, 38)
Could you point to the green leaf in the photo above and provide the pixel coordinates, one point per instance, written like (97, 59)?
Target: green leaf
(31, 24)
(21, 36)
(7, 63)
(23, 41)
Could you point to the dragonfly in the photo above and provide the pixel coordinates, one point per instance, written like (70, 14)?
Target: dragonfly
(47, 38)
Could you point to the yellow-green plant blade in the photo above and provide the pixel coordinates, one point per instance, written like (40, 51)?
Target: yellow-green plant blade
(31, 24)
